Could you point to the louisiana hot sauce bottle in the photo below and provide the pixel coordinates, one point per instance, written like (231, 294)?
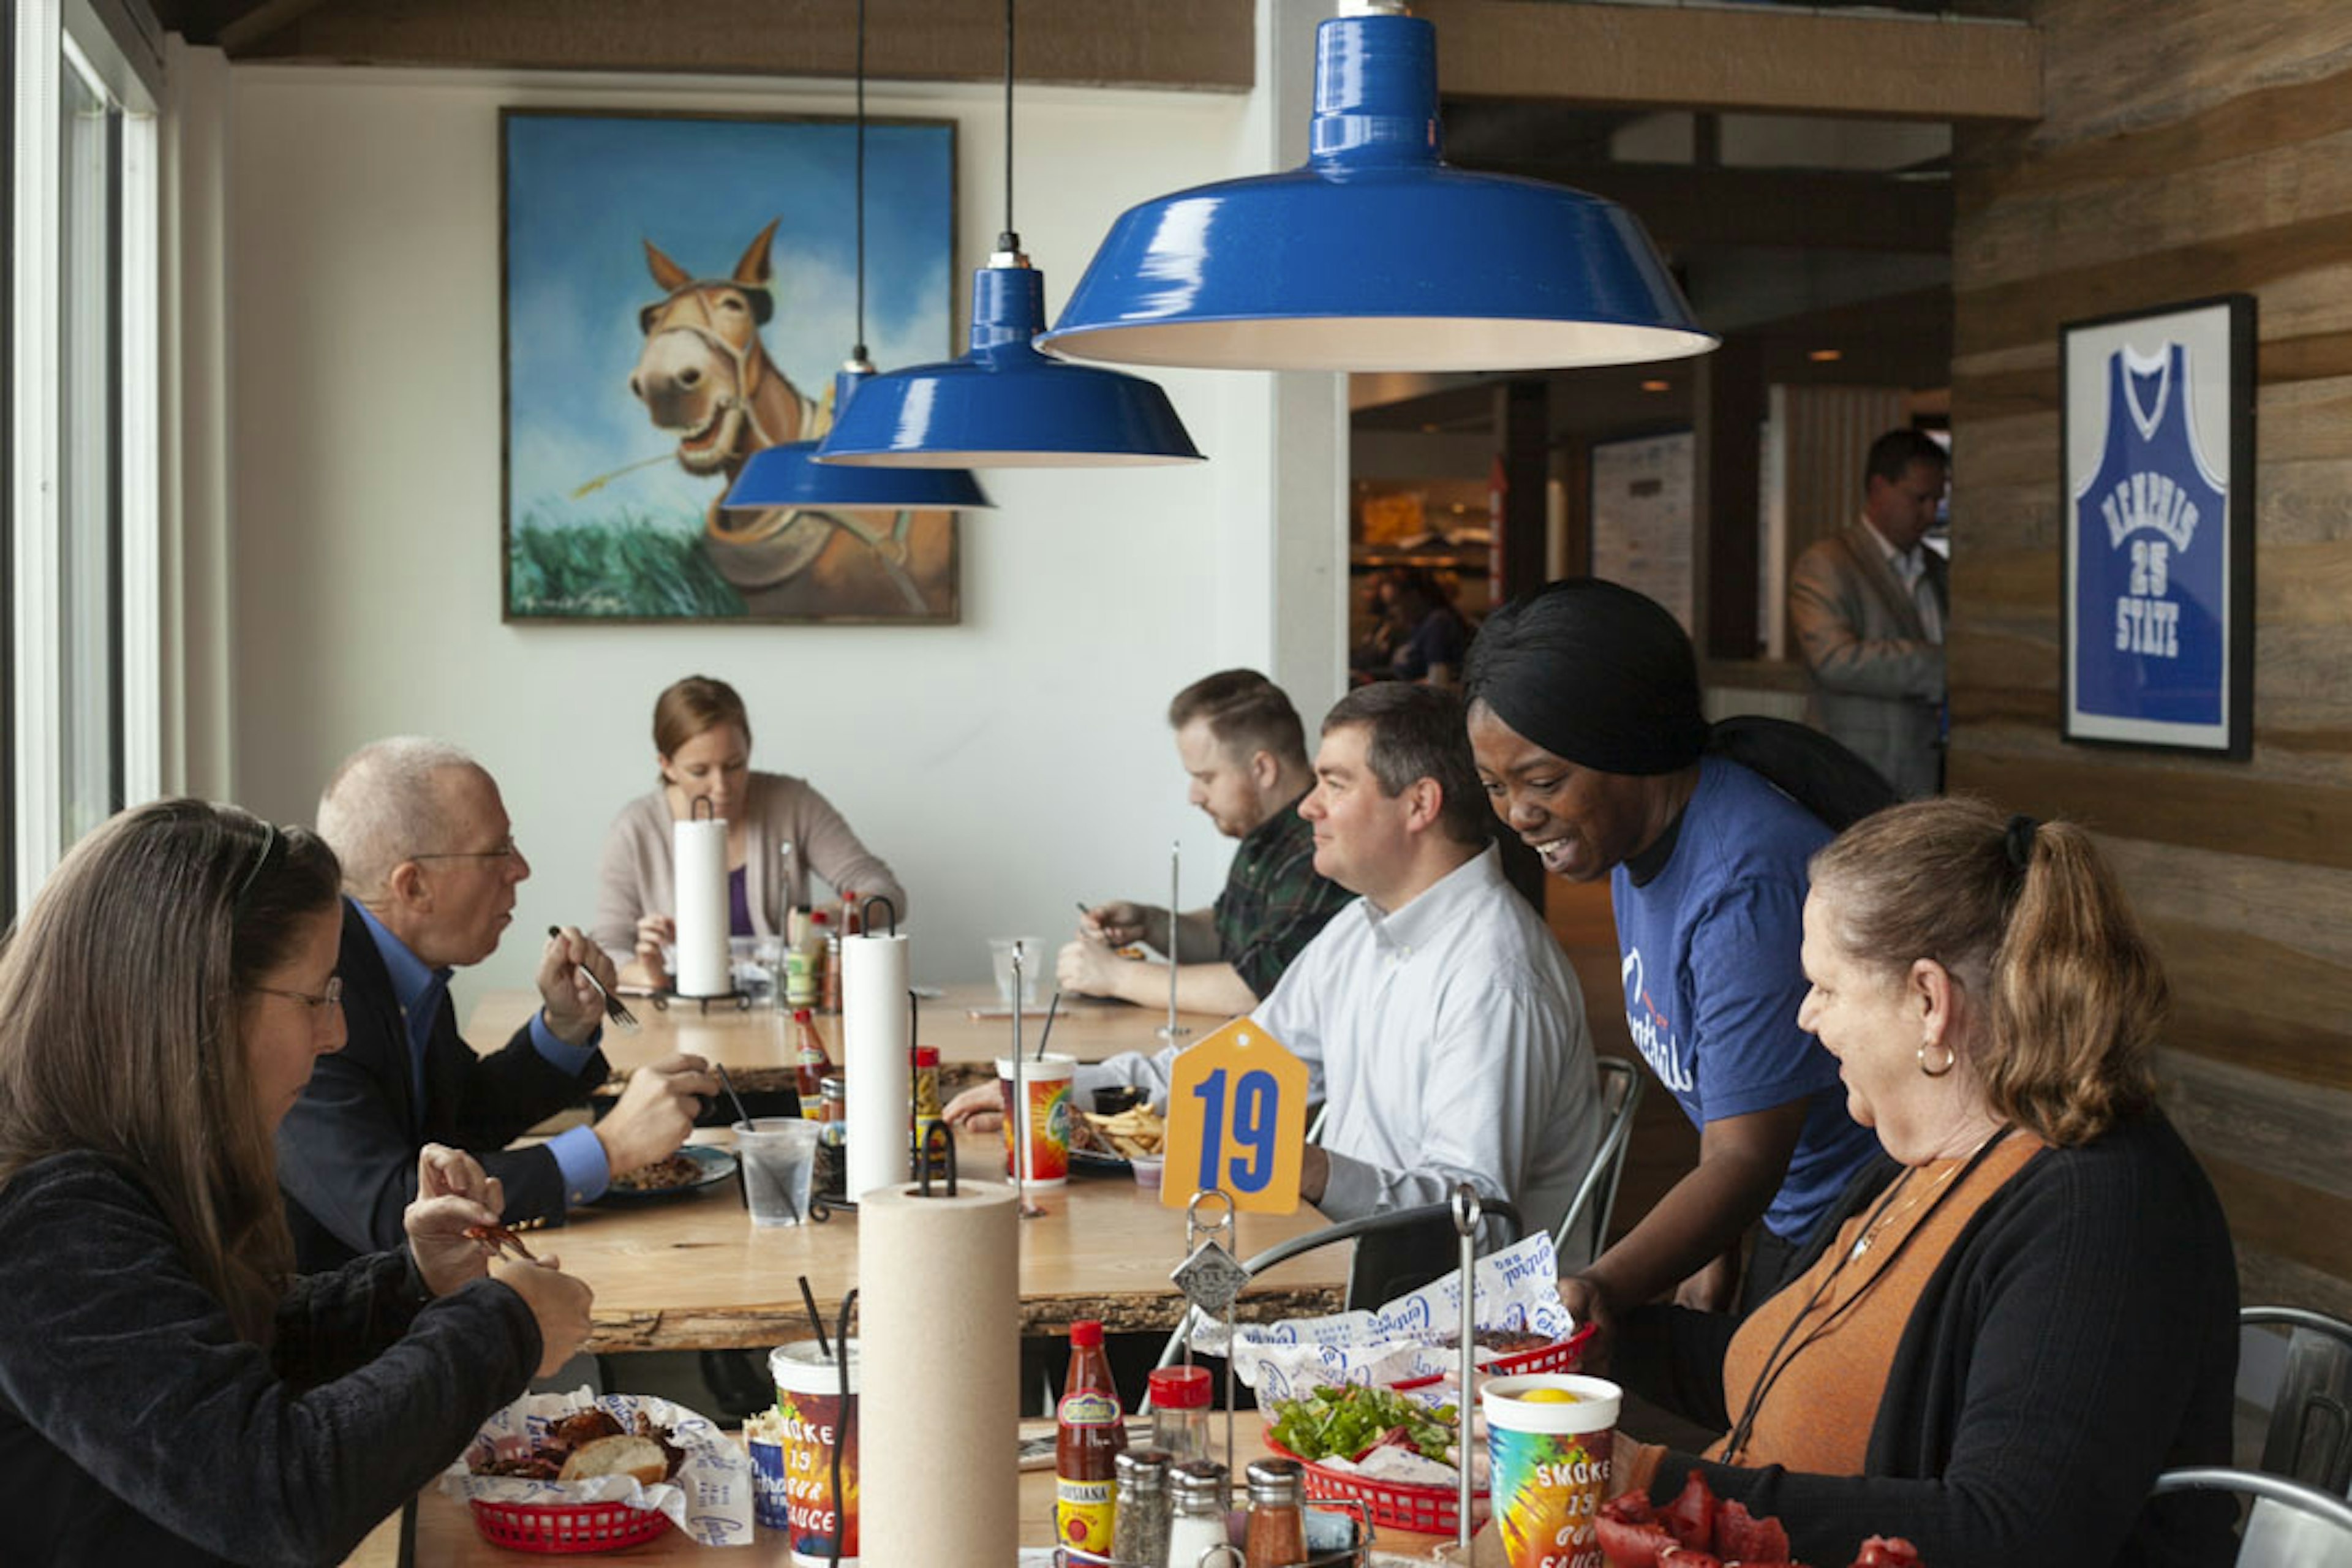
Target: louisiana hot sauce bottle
(1089, 1432)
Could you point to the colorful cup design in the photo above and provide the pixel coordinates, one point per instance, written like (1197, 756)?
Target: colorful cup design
(1049, 1082)
(771, 1499)
(812, 1420)
(1550, 1440)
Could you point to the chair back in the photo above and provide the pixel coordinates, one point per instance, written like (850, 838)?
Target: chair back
(2294, 1376)
(2287, 1524)
(1584, 1228)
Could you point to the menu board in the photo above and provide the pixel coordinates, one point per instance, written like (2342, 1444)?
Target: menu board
(1642, 517)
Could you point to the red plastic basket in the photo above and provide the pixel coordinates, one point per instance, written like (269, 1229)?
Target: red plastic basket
(1560, 1355)
(566, 1527)
(1431, 1510)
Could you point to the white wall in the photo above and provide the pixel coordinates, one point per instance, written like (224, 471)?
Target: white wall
(1004, 766)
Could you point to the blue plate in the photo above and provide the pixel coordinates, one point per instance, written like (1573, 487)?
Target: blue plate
(1095, 1160)
(711, 1166)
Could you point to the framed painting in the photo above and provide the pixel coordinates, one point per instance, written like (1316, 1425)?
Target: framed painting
(677, 291)
(2157, 429)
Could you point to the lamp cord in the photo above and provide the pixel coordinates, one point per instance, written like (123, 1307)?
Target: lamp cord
(860, 354)
(1008, 241)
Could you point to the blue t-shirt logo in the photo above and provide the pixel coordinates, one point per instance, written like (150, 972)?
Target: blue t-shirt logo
(1653, 1035)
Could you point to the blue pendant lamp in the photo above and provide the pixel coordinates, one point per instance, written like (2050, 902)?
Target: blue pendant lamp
(788, 475)
(1005, 405)
(1375, 255)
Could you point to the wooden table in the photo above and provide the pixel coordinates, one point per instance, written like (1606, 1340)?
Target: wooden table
(762, 1037)
(694, 1274)
(446, 1533)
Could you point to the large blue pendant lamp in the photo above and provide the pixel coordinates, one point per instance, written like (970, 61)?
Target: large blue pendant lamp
(1005, 405)
(1375, 255)
(788, 475)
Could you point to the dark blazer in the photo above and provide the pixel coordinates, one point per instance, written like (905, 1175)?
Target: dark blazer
(2080, 1337)
(347, 1151)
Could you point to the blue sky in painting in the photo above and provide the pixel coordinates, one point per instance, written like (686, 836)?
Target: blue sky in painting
(583, 192)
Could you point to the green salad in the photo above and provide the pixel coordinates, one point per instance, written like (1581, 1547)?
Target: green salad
(1346, 1421)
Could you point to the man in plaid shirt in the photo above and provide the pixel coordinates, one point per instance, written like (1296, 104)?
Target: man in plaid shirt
(1242, 742)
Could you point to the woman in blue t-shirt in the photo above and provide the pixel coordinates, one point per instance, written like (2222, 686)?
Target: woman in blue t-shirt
(1584, 713)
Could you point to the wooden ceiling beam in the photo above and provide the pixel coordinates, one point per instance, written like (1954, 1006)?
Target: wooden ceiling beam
(239, 38)
(1682, 205)
(1199, 45)
(1742, 58)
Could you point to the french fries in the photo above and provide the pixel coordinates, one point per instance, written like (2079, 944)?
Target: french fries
(1132, 1132)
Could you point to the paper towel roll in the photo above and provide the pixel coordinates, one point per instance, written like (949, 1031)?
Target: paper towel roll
(875, 1038)
(704, 968)
(938, 1453)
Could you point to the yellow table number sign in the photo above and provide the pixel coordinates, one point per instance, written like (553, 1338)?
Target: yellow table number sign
(1236, 1121)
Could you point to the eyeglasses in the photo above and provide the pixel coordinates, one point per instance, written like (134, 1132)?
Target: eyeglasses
(506, 851)
(333, 996)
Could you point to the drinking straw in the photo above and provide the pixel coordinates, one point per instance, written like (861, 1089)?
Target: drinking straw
(816, 1319)
(1047, 1033)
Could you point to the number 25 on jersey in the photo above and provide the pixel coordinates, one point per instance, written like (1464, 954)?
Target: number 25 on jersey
(1236, 1120)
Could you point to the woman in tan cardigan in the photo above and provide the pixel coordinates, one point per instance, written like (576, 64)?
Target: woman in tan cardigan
(778, 831)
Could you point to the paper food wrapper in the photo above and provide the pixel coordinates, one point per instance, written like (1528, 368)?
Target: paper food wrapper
(710, 1498)
(1519, 1289)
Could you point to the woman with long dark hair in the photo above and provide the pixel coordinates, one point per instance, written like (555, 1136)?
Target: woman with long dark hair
(170, 1391)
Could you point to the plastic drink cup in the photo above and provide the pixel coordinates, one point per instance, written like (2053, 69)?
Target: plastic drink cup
(1034, 957)
(1048, 1122)
(778, 1154)
(813, 1421)
(1549, 1458)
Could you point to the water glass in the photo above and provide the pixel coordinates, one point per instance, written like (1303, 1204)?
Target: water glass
(778, 1154)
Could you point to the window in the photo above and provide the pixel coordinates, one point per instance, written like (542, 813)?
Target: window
(78, 431)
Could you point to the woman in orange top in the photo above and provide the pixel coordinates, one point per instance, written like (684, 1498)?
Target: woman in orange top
(2028, 1309)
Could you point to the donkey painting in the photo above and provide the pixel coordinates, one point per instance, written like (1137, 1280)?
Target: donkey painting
(706, 378)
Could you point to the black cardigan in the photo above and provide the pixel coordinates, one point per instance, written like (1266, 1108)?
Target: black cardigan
(2080, 1337)
(136, 1427)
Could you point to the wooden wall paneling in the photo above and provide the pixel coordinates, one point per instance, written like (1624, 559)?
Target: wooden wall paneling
(2188, 149)
(2113, 65)
(2000, 315)
(2267, 1279)
(1203, 45)
(1810, 62)
(2158, 207)
(2272, 116)
(2169, 798)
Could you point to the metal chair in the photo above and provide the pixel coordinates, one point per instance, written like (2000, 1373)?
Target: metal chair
(1397, 1250)
(2298, 1385)
(2287, 1525)
(1596, 1195)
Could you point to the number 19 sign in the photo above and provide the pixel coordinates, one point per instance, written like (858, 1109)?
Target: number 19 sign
(1236, 1121)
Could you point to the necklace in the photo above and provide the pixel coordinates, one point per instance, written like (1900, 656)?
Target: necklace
(1887, 1216)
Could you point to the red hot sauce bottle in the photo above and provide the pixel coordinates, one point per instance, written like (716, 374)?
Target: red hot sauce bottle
(1090, 1430)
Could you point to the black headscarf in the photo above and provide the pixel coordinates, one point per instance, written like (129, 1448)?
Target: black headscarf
(1594, 673)
(1606, 678)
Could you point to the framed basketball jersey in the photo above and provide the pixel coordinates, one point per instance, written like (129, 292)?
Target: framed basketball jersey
(2156, 432)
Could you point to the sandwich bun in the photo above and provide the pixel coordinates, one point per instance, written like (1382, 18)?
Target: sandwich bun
(639, 1457)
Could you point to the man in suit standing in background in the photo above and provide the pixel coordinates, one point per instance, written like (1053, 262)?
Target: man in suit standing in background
(1869, 605)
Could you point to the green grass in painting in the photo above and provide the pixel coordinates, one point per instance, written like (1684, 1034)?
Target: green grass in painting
(632, 566)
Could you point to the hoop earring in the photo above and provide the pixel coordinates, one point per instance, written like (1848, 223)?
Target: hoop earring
(1950, 1058)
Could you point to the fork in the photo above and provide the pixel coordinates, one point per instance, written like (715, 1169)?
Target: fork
(613, 1007)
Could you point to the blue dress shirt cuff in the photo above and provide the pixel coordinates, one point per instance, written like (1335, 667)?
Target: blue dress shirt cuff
(569, 1060)
(580, 1155)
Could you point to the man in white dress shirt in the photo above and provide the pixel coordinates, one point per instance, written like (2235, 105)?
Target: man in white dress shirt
(1438, 1017)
